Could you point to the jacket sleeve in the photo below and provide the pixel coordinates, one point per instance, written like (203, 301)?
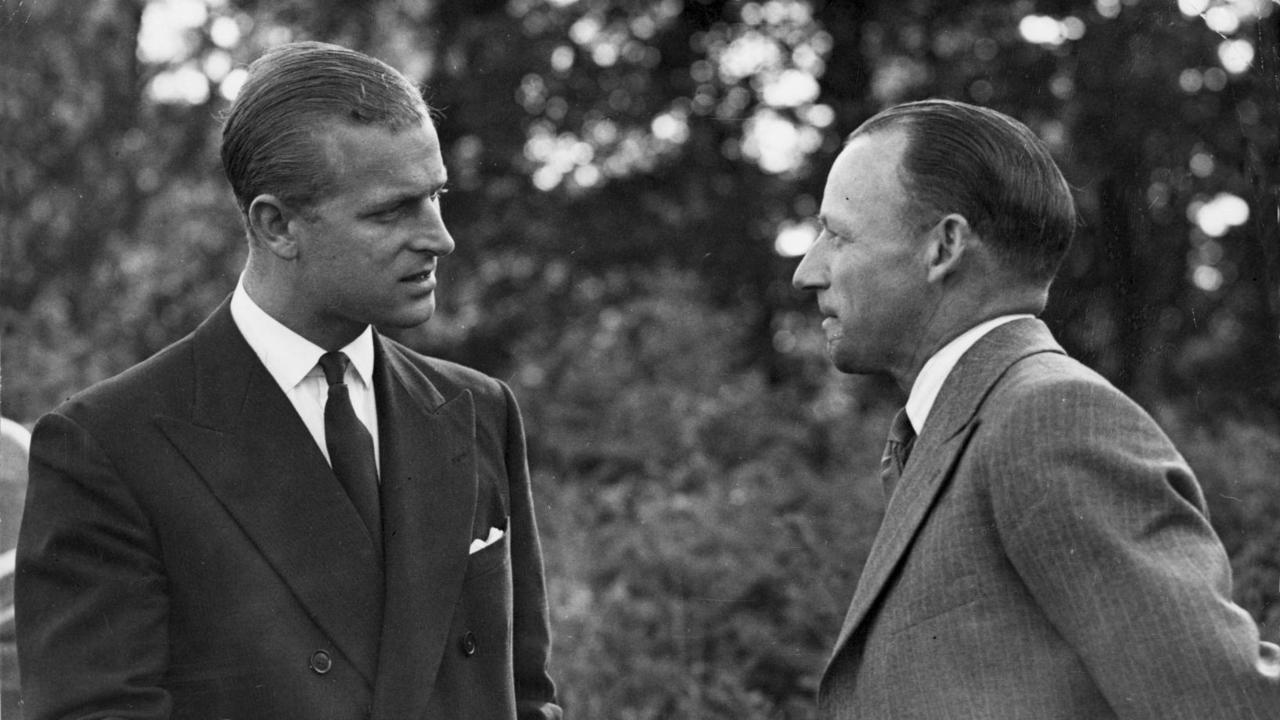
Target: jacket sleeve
(1105, 523)
(90, 595)
(531, 634)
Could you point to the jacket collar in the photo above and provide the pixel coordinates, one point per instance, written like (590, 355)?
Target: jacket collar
(938, 449)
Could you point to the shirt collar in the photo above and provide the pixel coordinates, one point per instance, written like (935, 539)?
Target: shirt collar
(288, 356)
(938, 367)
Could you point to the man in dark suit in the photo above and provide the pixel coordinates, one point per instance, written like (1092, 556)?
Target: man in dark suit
(1044, 552)
(286, 514)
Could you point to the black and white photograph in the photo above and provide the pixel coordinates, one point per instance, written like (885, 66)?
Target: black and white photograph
(640, 360)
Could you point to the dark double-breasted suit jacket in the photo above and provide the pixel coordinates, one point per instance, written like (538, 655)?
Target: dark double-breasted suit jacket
(1045, 555)
(187, 552)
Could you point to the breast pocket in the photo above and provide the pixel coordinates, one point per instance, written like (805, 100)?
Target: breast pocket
(489, 559)
(949, 566)
(945, 597)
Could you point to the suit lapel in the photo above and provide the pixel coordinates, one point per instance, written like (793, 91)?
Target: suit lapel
(428, 502)
(247, 443)
(938, 449)
(915, 493)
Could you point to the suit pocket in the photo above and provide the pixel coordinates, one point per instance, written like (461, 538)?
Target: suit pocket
(489, 559)
(957, 593)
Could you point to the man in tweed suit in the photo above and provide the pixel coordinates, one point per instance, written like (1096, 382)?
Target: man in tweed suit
(1045, 552)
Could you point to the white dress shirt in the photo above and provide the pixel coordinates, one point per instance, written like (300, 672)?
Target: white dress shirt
(924, 391)
(293, 361)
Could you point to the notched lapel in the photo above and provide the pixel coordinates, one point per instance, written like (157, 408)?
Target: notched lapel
(428, 500)
(908, 508)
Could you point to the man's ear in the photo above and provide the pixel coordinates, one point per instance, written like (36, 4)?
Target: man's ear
(949, 238)
(271, 223)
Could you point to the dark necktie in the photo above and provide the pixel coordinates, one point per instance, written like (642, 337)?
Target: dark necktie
(901, 437)
(350, 445)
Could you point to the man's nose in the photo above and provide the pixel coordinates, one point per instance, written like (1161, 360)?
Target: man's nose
(433, 236)
(808, 275)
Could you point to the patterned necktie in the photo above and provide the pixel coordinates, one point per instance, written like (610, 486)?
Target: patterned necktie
(901, 437)
(350, 446)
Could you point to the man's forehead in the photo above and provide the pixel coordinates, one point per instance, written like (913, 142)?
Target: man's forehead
(873, 157)
(341, 134)
(864, 177)
(375, 157)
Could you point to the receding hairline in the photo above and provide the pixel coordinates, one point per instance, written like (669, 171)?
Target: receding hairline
(902, 139)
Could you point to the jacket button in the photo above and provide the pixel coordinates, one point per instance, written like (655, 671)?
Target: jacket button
(321, 663)
(468, 644)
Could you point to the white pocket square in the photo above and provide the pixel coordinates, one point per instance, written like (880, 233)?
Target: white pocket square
(495, 534)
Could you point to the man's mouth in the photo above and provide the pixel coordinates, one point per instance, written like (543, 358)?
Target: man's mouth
(421, 277)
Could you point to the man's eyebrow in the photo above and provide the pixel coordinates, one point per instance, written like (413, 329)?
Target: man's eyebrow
(392, 201)
(399, 197)
(396, 198)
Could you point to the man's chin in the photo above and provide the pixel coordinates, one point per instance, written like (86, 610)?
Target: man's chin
(846, 364)
(408, 322)
(412, 317)
(839, 359)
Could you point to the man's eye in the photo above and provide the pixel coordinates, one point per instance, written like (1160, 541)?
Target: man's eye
(435, 196)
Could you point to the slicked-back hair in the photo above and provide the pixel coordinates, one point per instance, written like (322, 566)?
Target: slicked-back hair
(272, 136)
(991, 169)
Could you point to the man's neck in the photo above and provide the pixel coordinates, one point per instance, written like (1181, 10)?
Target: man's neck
(274, 298)
(962, 316)
(928, 382)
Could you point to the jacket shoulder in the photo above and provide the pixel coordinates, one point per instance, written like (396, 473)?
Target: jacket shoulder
(1051, 403)
(449, 377)
(152, 383)
(1057, 381)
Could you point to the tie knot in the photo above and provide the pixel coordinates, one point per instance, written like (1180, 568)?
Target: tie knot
(896, 449)
(334, 365)
(901, 431)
